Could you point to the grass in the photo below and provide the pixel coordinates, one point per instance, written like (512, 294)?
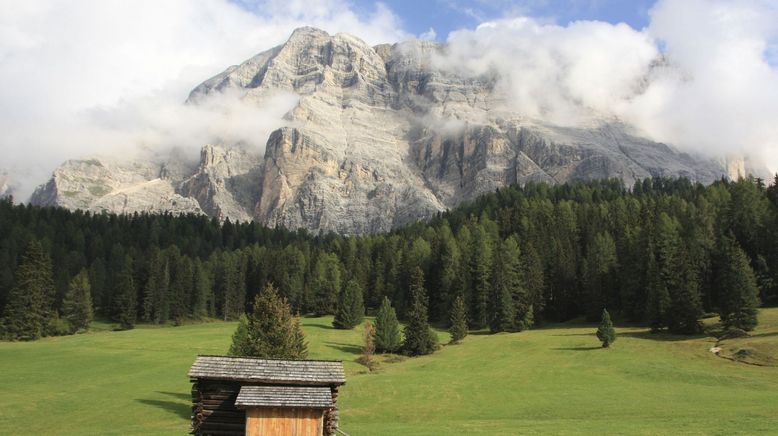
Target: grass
(553, 380)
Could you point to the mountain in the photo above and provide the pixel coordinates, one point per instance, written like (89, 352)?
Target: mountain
(381, 136)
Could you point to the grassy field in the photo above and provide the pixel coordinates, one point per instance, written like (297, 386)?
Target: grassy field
(554, 380)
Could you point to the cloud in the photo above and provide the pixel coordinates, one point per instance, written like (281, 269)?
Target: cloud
(700, 76)
(104, 76)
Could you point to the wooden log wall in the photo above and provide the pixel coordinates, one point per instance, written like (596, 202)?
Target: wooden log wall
(213, 409)
(331, 415)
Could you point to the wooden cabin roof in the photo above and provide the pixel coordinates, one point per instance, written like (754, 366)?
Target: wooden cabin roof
(270, 371)
(284, 396)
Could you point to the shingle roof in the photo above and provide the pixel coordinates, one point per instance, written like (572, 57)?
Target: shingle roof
(248, 369)
(284, 396)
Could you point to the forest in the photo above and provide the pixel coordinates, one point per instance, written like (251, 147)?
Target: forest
(664, 253)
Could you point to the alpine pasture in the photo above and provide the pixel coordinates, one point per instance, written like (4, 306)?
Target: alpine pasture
(556, 379)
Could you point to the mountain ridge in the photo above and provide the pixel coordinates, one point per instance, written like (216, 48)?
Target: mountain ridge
(380, 137)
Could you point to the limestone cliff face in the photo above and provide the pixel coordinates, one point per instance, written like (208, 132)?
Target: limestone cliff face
(380, 137)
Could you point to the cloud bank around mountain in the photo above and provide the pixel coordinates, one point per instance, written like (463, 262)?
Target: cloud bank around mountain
(108, 76)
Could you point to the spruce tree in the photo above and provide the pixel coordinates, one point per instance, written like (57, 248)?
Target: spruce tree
(606, 333)
(298, 348)
(351, 309)
(458, 328)
(387, 335)
(482, 278)
(77, 305)
(326, 284)
(738, 292)
(686, 306)
(29, 304)
(125, 310)
(419, 337)
(270, 331)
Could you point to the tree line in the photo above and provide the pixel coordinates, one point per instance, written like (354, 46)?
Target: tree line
(662, 252)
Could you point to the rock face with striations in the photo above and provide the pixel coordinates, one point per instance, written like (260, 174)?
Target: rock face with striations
(380, 137)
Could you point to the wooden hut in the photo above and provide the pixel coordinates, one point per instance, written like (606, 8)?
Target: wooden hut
(241, 395)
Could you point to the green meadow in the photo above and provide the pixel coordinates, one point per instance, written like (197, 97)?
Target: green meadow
(554, 380)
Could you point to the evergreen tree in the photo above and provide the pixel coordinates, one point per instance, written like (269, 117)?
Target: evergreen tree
(270, 331)
(387, 335)
(326, 286)
(77, 305)
(419, 337)
(241, 342)
(29, 310)
(600, 262)
(686, 306)
(606, 333)
(482, 278)
(202, 291)
(299, 346)
(351, 309)
(739, 294)
(509, 298)
(125, 310)
(532, 271)
(156, 301)
(458, 328)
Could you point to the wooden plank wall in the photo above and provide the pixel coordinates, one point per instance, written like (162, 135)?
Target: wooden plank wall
(264, 421)
(213, 409)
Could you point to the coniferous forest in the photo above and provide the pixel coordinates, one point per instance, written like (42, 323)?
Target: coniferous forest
(663, 253)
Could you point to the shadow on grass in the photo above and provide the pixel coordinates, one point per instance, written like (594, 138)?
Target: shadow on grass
(762, 335)
(346, 348)
(183, 411)
(576, 334)
(577, 348)
(662, 336)
(320, 326)
(178, 395)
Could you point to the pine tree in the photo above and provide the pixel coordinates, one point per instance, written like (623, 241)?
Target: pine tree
(298, 348)
(202, 291)
(419, 337)
(508, 293)
(270, 331)
(600, 261)
(387, 336)
(351, 309)
(77, 305)
(482, 278)
(29, 308)
(606, 333)
(738, 293)
(326, 285)
(458, 328)
(241, 343)
(686, 306)
(125, 310)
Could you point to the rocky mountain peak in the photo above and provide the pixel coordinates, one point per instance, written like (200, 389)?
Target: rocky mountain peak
(380, 136)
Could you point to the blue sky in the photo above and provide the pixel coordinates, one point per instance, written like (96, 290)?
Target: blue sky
(444, 16)
(447, 15)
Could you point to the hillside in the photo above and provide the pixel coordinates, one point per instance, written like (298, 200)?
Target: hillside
(554, 379)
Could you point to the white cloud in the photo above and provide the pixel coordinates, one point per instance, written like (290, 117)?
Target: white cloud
(96, 76)
(698, 77)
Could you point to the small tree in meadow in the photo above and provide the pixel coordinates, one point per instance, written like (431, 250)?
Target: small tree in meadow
(387, 329)
(606, 333)
(419, 337)
(458, 328)
(270, 331)
(368, 346)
